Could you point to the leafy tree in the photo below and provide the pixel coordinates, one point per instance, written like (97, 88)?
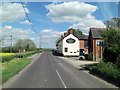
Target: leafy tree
(5, 49)
(113, 23)
(112, 48)
(76, 31)
(26, 44)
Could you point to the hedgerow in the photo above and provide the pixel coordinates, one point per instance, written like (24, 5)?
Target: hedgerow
(107, 70)
(17, 55)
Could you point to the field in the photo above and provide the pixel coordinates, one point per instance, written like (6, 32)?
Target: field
(6, 54)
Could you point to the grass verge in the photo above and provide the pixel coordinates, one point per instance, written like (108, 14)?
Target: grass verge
(11, 68)
(108, 71)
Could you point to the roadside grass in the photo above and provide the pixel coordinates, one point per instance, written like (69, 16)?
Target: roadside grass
(108, 71)
(13, 67)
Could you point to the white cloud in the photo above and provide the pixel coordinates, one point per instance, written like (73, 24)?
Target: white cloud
(25, 22)
(46, 31)
(49, 36)
(70, 11)
(80, 14)
(50, 31)
(11, 12)
(17, 33)
(85, 25)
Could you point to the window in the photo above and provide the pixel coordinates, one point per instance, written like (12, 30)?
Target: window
(85, 43)
(100, 43)
(66, 49)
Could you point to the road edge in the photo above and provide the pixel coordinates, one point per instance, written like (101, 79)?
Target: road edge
(4, 85)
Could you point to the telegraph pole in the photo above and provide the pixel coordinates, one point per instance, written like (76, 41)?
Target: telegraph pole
(40, 42)
(11, 44)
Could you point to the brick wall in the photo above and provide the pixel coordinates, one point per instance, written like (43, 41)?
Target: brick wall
(81, 43)
(96, 50)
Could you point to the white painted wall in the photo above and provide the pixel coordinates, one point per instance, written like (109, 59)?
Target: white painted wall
(60, 46)
(73, 48)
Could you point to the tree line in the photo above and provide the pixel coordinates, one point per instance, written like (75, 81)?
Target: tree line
(26, 44)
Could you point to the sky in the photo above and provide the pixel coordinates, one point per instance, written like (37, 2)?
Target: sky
(52, 19)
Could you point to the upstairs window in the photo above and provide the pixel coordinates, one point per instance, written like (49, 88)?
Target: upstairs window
(100, 43)
(85, 43)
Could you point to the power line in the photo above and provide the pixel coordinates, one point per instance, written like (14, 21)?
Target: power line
(28, 17)
(31, 22)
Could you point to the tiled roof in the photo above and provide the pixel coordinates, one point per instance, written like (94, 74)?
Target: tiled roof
(61, 38)
(97, 32)
(82, 36)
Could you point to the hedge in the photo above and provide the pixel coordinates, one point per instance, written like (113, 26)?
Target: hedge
(89, 57)
(18, 55)
(107, 70)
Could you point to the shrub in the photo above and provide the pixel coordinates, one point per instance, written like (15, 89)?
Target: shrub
(89, 56)
(107, 70)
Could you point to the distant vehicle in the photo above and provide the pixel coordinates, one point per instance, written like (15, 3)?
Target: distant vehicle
(55, 52)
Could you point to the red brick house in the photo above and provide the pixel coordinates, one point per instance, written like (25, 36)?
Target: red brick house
(83, 44)
(95, 43)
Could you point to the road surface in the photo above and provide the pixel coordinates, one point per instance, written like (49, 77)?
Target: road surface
(50, 71)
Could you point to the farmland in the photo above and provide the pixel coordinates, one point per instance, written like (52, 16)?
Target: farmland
(6, 54)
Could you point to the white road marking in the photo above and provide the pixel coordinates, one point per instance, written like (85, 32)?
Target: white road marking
(61, 79)
(58, 73)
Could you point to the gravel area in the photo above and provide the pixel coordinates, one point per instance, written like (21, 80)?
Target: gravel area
(77, 63)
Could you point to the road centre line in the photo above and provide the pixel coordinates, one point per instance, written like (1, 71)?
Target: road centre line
(58, 74)
(61, 79)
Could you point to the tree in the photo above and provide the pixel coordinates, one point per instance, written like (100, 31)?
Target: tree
(113, 23)
(26, 44)
(76, 31)
(112, 48)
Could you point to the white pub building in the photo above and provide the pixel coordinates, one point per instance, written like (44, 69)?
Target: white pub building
(69, 44)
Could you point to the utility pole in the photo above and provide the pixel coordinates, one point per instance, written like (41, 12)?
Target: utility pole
(40, 42)
(11, 44)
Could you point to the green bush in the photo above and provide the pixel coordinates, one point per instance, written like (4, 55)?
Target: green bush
(89, 57)
(18, 55)
(107, 70)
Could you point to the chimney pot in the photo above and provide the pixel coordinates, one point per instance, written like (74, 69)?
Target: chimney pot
(65, 34)
(71, 31)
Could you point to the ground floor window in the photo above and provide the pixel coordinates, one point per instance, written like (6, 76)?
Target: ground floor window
(66, 49)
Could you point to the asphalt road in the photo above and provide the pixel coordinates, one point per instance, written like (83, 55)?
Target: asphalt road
(50, 71)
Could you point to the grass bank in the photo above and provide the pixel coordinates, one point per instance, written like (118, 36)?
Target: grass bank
(11, 68)
(108, 71)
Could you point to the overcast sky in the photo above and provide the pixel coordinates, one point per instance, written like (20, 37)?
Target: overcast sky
(52, 19)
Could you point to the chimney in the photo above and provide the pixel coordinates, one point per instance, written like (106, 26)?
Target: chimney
(71, 31)
(61, 35)
(65, 34)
